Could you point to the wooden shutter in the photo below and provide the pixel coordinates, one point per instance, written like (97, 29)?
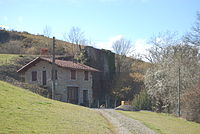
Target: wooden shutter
(73, 74)
(86, 75)
(34, 75)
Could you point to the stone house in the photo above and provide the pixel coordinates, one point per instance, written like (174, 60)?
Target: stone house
(73, 81)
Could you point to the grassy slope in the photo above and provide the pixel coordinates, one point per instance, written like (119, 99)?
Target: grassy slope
(13, 59)
(7, 58)
(164, 123)
(22, 111)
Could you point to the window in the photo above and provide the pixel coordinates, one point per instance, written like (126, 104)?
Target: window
(86, 75)
(34, 75)
(56, 75)
(73, 74)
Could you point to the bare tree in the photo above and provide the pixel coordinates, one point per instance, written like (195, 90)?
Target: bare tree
(191, 102)
(193, 37)
(177, 68)
(77, 38)
(122, 48)
(157, 52)
(47, 31)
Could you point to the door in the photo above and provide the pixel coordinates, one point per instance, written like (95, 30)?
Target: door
(85, 98)
(44, 78)
(72, 95)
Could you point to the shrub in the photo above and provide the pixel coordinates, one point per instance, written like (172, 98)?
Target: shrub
(191, 104)
(12, 47)
(142, 101)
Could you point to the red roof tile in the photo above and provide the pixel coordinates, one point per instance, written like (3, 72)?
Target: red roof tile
(61, 63)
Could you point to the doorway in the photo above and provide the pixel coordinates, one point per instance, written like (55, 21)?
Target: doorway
(85, 98)
(72, 95)
(44, 77)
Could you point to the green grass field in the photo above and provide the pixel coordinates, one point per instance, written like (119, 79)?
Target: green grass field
(23, 112)
(164, 123)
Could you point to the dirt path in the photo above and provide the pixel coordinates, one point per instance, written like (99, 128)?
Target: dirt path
(123, 124)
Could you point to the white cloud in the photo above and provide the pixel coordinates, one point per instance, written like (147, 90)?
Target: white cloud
(108, 44)
(4, 27)
(141, 46)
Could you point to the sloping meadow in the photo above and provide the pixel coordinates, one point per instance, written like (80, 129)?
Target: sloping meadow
(22, 111)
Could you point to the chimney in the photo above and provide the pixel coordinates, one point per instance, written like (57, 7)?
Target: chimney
(44, 52)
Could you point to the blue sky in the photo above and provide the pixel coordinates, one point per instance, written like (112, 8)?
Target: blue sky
(103, 21)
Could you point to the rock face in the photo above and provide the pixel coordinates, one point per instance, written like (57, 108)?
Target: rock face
(103, 60)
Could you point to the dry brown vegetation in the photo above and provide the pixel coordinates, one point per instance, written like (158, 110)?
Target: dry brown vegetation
(14, 42)
(191, 104)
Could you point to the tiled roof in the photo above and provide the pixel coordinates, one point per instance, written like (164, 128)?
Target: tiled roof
(61, 63)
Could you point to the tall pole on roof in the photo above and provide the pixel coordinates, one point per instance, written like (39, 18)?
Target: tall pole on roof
(53, 69)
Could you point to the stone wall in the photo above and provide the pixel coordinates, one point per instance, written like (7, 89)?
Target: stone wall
(103, 60)
(63, 81)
